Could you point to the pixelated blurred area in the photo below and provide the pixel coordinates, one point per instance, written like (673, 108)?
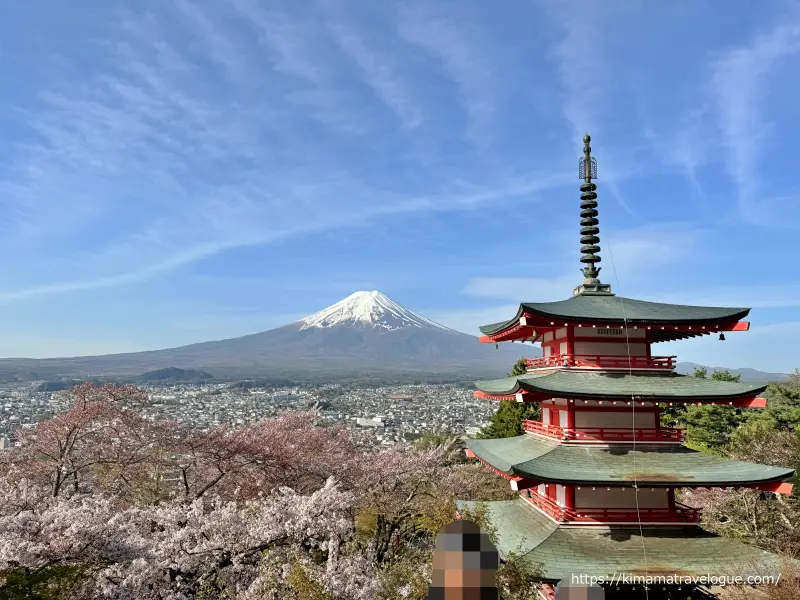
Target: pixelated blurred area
(465, 564)
(569, 591)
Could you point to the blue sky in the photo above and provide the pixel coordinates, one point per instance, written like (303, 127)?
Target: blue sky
(178, 171)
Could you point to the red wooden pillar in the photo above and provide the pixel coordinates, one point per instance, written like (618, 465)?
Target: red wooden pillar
(647, 349)
(550, 488)
(571, 341)
(569, 498)
(571, 416)
(658, 419)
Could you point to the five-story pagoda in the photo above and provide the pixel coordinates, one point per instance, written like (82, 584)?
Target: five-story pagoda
(596, 476)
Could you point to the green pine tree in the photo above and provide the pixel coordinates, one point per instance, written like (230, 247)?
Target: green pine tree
(709, 426)
(783, 404)
(507, 420)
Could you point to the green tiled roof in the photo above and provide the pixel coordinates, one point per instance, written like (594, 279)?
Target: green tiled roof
(615, 309)
(605, 551)
(567, 383)
(656, 465)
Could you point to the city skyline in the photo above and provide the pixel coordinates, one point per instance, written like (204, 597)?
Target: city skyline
(188, 173)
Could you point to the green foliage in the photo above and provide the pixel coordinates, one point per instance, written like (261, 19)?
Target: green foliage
(518, 369)
(212, 588)
(783, 404)
(432, 439)
(507, 420)
(480, 518)
(702, 373)
(366, 522)
(409, 572)
(725, 376)
(518, 580)
(53, 582)
(304, 585)
(708, 427)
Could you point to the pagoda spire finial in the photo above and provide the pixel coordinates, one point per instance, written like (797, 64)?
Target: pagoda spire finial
(587, 170)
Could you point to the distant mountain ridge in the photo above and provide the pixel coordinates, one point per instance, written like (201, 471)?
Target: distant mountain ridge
(365, 334)
(687, 368)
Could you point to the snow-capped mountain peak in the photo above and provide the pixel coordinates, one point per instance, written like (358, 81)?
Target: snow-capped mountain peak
(367, 309)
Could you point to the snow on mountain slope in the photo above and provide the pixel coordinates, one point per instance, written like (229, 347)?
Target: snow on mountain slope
(367, 309)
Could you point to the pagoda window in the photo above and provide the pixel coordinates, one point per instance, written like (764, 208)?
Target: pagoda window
(610, 333)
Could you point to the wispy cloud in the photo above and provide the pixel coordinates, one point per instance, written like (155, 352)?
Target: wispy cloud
(151, 163)
(381, 73)
(686, 145)
(168, 140)
(454, 42)
(585, 71)
(740, 86)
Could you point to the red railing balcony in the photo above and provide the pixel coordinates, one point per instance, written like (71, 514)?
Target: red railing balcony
(680, 514)
(601, 361)
(604, 434)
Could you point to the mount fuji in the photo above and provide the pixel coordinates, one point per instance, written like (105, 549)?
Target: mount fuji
(368, 310)
(364, 335)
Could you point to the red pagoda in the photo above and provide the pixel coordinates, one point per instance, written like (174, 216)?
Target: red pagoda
(596, 476)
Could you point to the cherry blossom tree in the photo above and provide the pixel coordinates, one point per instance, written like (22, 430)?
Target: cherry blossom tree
(285, 451)
(102, 503)
(177, 550)
(96, 430)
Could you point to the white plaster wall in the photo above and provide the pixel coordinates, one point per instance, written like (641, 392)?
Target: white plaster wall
(594, 418)
(562, 348)
(561, 333)
(586, 497)
(610, 348)
(555, 402)
(548, 337)
(561, 495)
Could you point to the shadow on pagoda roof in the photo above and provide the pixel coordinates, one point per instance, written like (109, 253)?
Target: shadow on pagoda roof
(605, 551)
(627, 465)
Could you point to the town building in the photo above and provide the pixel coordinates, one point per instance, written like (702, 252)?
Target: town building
(597, 475)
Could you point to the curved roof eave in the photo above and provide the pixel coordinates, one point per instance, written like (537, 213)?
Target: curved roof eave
(625, 465)
(589, 384)
(616, 309)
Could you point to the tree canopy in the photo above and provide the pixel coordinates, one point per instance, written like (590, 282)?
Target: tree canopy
(507, 419)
